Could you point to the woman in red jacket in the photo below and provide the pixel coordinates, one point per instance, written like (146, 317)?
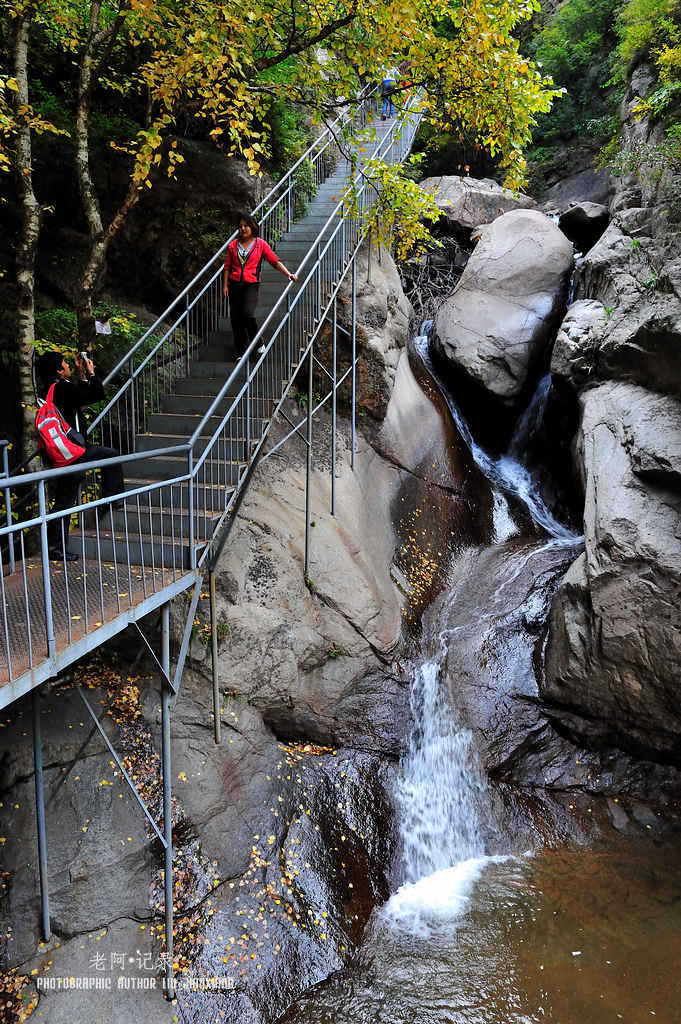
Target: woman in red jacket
(243, 264)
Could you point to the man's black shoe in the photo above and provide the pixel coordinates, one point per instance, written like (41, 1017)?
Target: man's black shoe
(61, 556)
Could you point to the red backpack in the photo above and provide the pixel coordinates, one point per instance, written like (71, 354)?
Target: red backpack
(53, 434)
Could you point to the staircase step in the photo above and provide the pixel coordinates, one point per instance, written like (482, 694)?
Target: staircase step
(167, 467)
(156, 520)
(179, 421)
(136, 549)
(207, 496)
(231, 449)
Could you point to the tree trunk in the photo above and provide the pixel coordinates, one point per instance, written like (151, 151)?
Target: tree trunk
(28, 239)
(99, 44)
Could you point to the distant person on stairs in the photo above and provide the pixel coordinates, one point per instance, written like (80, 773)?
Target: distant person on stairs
(71, 396)
(388, 82)
(243, 264)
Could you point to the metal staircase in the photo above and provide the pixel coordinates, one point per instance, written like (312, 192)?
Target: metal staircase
(190, 423)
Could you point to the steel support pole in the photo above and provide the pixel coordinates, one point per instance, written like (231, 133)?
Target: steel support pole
(45, 559)
(353, 315)
(333, 409)
(40, 816)
(214, 656)
(308, 468)
(167, 809)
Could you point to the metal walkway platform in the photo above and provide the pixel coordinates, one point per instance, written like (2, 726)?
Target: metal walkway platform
(190, 422)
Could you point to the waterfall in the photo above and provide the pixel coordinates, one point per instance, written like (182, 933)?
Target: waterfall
(442, 786)
(507, 473)
(443, 798)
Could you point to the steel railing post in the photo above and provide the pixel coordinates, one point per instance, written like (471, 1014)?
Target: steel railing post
(167, 805)
(133, 410)
(333, 409)
(214, 656)
(248, 407)
(353, 328)
(308, 464)
(190, 510)
(45, 557)
(187, 335)
(40, 816)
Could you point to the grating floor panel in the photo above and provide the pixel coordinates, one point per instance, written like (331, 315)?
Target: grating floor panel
(84, 594)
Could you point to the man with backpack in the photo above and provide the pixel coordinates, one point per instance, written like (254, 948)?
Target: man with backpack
(61, 431)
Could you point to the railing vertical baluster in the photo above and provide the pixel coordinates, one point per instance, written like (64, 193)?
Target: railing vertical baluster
(5, 618)
(45, 559)
(27, 603)
(333, 411)
(353, 316)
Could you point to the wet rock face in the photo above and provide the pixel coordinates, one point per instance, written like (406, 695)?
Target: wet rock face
(497, 322)
(467, 203)
(494, 623)
(614, 644)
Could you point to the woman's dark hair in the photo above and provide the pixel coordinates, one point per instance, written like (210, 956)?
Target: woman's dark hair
(253, 224)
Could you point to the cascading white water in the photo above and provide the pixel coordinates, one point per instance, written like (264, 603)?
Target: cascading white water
(506, 472)
(443, 796)
(441, 786)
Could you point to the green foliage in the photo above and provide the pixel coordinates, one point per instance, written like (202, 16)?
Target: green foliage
(575, 48)
(57, 330)
(642, 26)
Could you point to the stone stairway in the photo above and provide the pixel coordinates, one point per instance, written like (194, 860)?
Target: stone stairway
(131, 535)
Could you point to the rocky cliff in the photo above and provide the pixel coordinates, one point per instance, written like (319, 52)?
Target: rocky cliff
(614, 640)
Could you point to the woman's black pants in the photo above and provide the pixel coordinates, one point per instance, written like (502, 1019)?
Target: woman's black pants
(243, 299)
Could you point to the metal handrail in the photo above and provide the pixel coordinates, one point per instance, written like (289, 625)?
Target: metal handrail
(175, 518)
(257, 341)
(326, 138)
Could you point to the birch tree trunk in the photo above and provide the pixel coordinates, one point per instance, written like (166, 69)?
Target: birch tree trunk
(98, 46)
(28, 238)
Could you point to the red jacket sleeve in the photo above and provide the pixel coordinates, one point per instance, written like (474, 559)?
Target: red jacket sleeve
(269, 253)
(229, 260)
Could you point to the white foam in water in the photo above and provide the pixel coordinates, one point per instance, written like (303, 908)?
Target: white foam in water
(442, 896)
(504, 527)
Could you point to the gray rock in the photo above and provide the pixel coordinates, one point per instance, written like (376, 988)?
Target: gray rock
(615, 637)
(138, 995)
(584, 223)
(652, 437)
(576, 345)
(499, 318)
(585, 186)
(383, 317)
(641, 340)
(467, 202)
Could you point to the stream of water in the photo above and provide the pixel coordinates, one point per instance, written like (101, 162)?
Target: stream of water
(478, 933)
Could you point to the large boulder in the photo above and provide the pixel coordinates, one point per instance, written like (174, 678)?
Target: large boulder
(499, 318)
(468, 202)
(615, 638)
(641, 295)
(584, 223)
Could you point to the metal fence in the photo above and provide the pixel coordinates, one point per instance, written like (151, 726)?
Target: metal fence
(132, 558)
(164, 352)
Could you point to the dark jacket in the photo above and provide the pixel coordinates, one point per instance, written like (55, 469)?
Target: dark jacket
(71, 396)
